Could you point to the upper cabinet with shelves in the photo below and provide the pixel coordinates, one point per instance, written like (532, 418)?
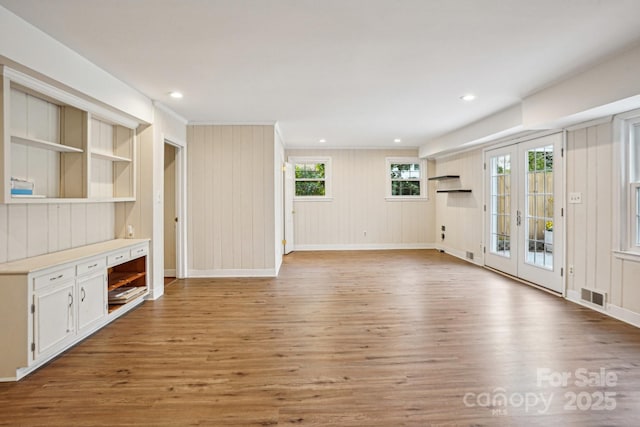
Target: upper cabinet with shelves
(57, 147)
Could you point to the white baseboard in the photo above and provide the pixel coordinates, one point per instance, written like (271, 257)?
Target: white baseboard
(364, 247)
(626, 315)
(258, 272)
(170, 272)
(620, 313)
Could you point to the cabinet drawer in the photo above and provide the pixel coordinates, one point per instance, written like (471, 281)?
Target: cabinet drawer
(58, 276)
(91, 266)
(117, 258)
(138, 252)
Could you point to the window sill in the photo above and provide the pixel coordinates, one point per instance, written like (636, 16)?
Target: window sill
(405, 199)
(313, 199)
(627, 255)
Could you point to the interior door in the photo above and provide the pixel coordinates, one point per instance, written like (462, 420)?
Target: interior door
(524, 223)
(289, 189)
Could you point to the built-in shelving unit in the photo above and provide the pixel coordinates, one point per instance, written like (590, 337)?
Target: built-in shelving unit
(54, 301)
(64, 147)
(449, 178)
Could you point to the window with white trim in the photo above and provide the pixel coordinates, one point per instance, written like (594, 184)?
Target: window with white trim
(406, 178)
(634, 184)
(312, 177)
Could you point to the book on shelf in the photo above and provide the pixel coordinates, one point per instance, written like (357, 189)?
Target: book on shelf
(125, 294)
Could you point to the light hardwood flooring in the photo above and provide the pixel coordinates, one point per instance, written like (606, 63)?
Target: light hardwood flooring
(381, 338)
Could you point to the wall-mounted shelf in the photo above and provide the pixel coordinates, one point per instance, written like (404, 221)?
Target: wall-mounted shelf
(449, 178)
(39, 143)
(443, 177)
(110, 157)
(455, 190)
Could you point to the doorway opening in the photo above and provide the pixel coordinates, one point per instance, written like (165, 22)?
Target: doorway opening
(170, 213)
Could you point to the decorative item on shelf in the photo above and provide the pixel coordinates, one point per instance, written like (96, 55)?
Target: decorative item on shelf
(21, 187)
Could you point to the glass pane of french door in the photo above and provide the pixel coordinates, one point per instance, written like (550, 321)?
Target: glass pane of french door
(500, 209)
(538, 211)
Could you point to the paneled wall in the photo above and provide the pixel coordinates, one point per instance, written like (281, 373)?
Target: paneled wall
(591, 225)
(101, 170)
(461, 213)
(359, 216)
(28, 230)
(231, 224)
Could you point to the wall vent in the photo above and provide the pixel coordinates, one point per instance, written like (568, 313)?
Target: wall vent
(469, 255)
(594, 297)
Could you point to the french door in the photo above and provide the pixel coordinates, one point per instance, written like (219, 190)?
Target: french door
(524, 224)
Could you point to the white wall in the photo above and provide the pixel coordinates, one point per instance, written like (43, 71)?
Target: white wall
(231, 222)
(359, 206)
(461, 213)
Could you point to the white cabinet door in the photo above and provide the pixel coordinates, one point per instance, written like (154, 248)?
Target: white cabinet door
(92, 302)
(54, 319)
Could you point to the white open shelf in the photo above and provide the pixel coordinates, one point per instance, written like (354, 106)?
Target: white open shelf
(33, 142)
(108, 156)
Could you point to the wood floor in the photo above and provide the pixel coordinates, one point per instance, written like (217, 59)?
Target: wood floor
(383, 338)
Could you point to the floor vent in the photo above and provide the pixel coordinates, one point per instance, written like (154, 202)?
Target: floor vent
(594, 297)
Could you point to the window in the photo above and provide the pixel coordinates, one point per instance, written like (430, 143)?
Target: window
(628, 129)
(634, 184)
(405, 178)
(312, 177)
(636, 192)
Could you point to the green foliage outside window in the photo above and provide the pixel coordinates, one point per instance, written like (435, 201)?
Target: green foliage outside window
(405, 179)
(310, 179)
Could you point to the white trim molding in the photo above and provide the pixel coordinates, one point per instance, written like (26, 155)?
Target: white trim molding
(619, 313)
(229, 273)
(364, 247)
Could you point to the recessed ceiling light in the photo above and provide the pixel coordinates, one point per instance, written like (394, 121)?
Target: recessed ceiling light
(468, 97)
(397, 140)
(175, 94)
(322, 140)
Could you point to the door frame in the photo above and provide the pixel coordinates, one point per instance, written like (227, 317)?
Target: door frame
(288, 189)
(181, 205)
(561, 189)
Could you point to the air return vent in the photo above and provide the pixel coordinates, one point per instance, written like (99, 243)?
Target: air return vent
(594, 297)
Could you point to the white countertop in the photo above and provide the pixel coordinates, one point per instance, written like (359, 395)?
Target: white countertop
(41, 262)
